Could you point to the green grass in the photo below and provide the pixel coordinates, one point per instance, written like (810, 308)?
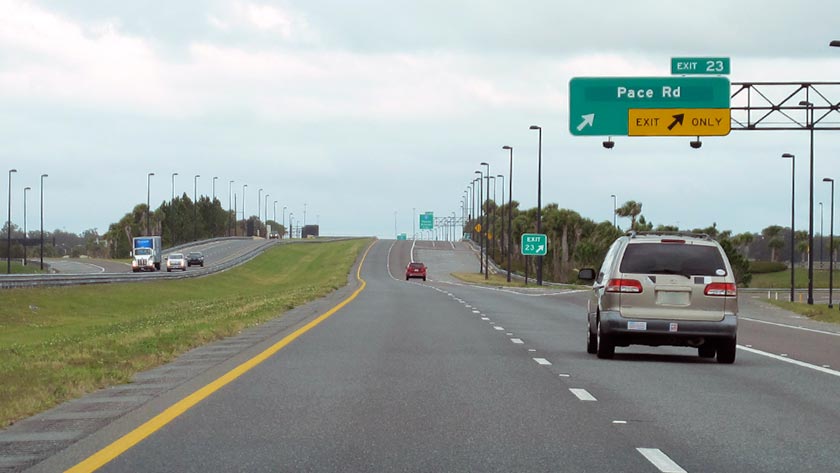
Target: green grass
(17, 268)
(817, 312)
(59, 343)
(781, 279)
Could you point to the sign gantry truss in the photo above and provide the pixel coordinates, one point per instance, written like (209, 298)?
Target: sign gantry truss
(779, 106)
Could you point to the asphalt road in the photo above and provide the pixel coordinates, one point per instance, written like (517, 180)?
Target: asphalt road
(444, 376)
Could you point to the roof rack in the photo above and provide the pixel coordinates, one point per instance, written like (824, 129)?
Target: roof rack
(634, 234)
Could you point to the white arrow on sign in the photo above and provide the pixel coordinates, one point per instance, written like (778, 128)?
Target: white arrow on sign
(588, 119)
(540, 249)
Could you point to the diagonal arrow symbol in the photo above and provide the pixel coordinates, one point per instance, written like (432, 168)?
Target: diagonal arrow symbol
(588, 119)
(678, 119)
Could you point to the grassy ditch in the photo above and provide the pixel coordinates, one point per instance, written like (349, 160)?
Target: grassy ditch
(781, 279)
(59, 343)
(819, 312)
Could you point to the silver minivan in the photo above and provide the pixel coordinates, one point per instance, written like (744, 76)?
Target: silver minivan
(663, 288)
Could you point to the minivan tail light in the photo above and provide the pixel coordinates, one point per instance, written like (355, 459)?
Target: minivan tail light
(624, 285)
(721, 289)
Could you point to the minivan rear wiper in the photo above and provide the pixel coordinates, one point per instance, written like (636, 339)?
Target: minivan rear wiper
(670, 271)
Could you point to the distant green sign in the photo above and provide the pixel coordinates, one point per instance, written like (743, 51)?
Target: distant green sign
(534, 244)
(427, 221)
(699, 65)
(402, 236)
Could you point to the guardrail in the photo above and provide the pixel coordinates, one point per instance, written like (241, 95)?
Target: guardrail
(44, 280)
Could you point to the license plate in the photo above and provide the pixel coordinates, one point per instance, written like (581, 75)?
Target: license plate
(677, 298)
(636, 325)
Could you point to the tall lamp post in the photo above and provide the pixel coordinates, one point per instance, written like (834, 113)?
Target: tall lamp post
(214, 188)
(480, 222)
(42, 220)
(831, 245)
(822, 237)
(614, 209)
(265, 208)
(275, 211)
(27, 188)
(148, 204)
(809, 107)
(502, 232)
(195, 206)
(492, 217)
(792, 203)
(284, 217)
(230, 215)
(472, 207)
(486, 231)
(510, 210)
(244, 186)
(173, 188)
(259, 201)
(539, 202)
(9, 228)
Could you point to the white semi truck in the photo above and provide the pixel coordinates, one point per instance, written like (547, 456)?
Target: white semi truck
(146, 253)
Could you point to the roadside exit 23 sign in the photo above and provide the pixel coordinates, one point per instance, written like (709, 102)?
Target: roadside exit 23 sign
(534, 244)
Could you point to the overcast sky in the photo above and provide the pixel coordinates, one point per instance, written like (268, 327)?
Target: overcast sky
(365, 108)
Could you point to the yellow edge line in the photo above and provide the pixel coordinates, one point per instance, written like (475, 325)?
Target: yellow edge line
(119, 446)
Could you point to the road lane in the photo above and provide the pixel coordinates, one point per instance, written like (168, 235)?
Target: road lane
(404, 378)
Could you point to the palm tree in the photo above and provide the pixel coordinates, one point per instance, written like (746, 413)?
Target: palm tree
(631, 209)
(775, 244)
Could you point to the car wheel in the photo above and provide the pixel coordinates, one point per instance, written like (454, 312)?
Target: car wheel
(168, 270)
(605, 349)
(424, 278)
(407, 278)
(202, 265)
(707, 350)
(591, 340)
(726, 352)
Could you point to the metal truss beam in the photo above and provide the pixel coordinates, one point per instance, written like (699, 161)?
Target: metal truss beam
(776, 105)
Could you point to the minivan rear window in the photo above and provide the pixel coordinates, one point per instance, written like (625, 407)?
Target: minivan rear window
(658, 258)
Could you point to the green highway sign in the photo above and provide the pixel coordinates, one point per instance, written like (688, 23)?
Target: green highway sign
(402, 236)
(699, 65)
(427, 221)
(534, 244)
(599, 106)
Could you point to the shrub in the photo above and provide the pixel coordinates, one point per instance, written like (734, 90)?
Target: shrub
(761, 267)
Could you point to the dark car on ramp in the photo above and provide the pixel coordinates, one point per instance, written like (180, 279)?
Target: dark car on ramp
(195, 258)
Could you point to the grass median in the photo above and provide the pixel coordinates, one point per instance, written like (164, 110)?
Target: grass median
(59, 343)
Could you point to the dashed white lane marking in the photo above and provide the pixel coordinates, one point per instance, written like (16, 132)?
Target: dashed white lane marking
(532, 349)
(565, 375)
(582, 394)
(476, 311)
(509, 334)
(542, 361)
(619, 422)
(791, 360)
(498, 328)
(517, 341)
(660, 460)
(485, 318)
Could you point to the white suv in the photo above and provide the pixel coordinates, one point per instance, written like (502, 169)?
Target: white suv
(663, 288)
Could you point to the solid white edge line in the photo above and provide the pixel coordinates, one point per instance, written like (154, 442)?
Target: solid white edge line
(824, 332)
(412, 249)
(517, 341)
(790, 360)
(542, 361)
(660, 460)
(582, 394)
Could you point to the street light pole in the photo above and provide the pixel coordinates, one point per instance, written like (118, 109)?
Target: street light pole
(502, 232)
(539, 202)
(195, 207)
(831, 245)
(259, 201)
(614, 209)
(173, 187)
(275, 212)
(809, 107)
(480, 225)
(510, 210)
(148, 204)
(291, 224)
(27, 188)
(284, 217)
(822, 238)
(244, 186)
(492, 218)
(214, 188)
(265, 207)
(792, 204)
(230, 188)
(9, 228)
(42, 220)
(485, 232)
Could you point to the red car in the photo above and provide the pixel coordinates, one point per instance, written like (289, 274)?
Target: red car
(415, 270)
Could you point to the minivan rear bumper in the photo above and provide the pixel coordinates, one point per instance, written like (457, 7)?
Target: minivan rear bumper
(623, 331)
